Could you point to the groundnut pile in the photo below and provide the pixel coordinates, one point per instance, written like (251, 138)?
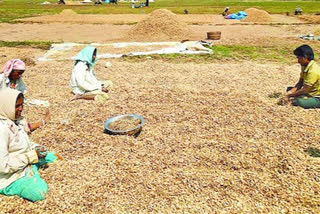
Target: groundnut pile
(213, 141)
(160, 25)
(256, 15)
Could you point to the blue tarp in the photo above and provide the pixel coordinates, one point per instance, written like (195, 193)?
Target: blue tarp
(239, 15)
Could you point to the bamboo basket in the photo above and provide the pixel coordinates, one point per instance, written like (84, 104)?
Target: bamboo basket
(216, 35)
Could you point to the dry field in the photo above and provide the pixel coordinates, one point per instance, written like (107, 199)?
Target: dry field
(213, 142)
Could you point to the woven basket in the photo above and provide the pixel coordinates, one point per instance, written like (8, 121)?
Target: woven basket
(216, 35)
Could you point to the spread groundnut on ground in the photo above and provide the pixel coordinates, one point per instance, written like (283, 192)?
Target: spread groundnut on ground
(214, 139)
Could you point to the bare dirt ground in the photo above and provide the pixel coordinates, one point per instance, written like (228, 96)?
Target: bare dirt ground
(213, 142)
(134, 18)
(106, 33)
(80, 28)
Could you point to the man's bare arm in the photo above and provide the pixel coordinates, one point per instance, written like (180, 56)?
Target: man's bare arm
(304, 90)
(294, 90)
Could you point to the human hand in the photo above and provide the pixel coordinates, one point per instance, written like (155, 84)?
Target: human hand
(291, 92)
(284, 100)
(41, 152)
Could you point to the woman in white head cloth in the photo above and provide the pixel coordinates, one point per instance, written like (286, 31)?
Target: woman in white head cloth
(20, 159)
(84, 82)
(11, 77)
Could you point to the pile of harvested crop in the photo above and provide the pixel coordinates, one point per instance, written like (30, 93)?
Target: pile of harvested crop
(124, 124)
(73, 2)
(160, 25)
(68, 12)
(28, 61)
(311, 19)
(256, 15)
(213, 142)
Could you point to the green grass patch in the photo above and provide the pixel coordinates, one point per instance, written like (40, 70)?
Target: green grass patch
(275, 95)
(45, 45)
(313, 152)
(14, 9)
(221, 53)
(229, 53)
(126, 23)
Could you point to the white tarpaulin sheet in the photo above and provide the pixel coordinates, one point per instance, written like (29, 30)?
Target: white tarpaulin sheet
(188, 47)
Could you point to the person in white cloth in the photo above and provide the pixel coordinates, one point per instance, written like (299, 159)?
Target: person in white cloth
(84, 82)
(11, 77)
(20, 158)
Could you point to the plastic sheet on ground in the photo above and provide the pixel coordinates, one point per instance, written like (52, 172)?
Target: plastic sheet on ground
(68, 51)
(46, 2)
(239, 15)
(310, 37)
(190, 47)
(36, 102)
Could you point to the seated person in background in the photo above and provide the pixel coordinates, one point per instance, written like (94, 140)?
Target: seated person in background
(298, 11)
(84, 82)
(306, 93)
(226, 11)
(20, 159)
(11, 77)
